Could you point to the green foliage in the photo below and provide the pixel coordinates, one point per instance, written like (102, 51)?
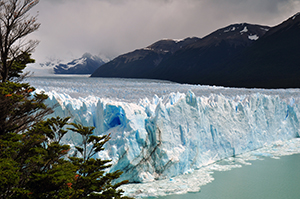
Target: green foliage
(19, 108)
(35, 164)
(32, 164)
(19, 64)
(91, 180)
(15, 25)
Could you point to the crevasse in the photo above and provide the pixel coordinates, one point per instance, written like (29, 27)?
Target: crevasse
(166, 137)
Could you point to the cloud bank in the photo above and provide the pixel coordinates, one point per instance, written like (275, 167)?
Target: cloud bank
(70, 28)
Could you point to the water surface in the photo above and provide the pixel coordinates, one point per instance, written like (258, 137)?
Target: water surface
(264, 179)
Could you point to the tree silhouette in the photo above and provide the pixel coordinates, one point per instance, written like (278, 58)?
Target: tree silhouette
(16, 24)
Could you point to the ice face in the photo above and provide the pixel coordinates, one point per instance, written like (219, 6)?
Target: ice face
(193, 181)
(180, 132)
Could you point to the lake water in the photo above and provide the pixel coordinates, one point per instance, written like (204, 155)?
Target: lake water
(264, 179)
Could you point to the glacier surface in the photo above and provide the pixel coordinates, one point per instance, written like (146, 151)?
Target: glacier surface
(178, 133)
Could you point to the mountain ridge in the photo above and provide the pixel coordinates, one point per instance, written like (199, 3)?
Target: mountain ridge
(87, 64)
(139, 63)
(153, 61)
(208, 54)
(238, 55)
(271, 62)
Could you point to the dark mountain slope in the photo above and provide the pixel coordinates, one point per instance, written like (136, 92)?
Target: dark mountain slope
(198, 62)
(139, 63)
(271, 62)
(240, 55)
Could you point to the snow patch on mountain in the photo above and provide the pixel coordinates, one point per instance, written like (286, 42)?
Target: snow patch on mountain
(265, 29)
(294, 17)
(230, 29)
(75, 62)
(244, 30)
(179, 40)
(253, 37)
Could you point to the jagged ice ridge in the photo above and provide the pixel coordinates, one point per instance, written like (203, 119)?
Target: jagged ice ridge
(176, 134)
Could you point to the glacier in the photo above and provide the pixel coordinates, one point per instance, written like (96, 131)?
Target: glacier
(178, 133)
(154, 140)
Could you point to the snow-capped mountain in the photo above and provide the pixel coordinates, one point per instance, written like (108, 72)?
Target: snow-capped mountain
(235, 34)
(87, 64)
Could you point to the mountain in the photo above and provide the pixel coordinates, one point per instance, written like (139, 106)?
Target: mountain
(87, 64)
(271, 62)
(182, 61)
(239, 55)
(139, 63)
(198, 62)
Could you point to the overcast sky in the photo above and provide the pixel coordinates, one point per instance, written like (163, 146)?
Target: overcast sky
(70, 28)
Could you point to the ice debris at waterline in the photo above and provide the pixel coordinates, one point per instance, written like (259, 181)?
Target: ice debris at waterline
(165, 137)
(193, 181)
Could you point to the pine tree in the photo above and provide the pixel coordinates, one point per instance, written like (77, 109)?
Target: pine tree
(91, 180)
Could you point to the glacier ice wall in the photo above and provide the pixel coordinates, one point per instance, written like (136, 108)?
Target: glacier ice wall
(165, 137)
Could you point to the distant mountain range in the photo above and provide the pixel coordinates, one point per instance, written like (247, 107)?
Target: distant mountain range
(239, 55)
(87, 64)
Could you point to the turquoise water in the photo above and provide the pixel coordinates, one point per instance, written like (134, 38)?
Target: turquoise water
(264, 179)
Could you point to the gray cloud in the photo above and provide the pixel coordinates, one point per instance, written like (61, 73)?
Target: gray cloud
(111, 27)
